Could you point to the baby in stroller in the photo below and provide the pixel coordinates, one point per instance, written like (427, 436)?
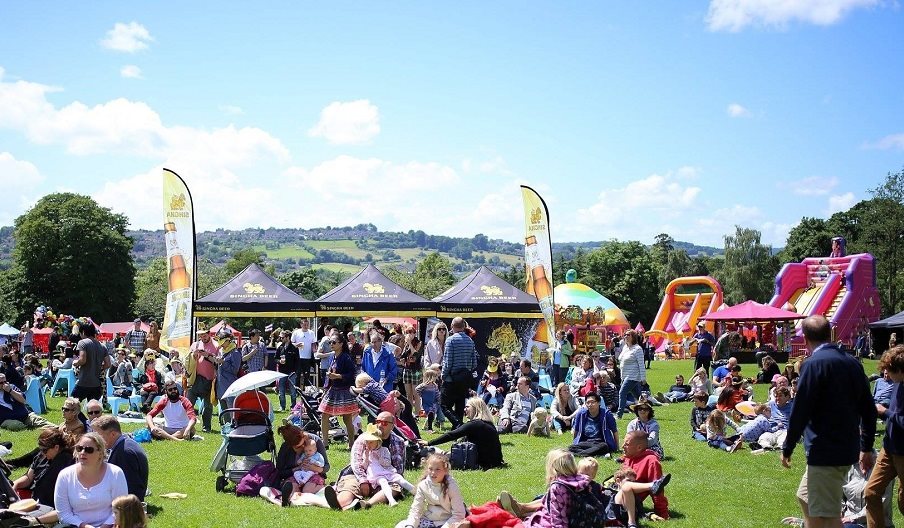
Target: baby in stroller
(390, 402)
(310, 454)
(380, 471)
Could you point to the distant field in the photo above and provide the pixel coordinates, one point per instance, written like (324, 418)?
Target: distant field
(284, 252)
(335, 266)
(334, 245)
(348, 247)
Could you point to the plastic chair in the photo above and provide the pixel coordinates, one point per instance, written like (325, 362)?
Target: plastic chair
(116, 401)
(34, 396)
(66, 376)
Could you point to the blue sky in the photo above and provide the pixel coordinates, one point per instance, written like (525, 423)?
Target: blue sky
(687, 119)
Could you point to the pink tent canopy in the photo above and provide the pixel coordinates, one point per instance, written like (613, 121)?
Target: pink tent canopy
(640, 328)
(752, 311)
(120, 328)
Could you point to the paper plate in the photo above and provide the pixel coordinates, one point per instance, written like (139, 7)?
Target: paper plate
(746, 408)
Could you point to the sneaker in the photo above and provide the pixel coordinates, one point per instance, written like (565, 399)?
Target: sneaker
(286, 490)
(329, 493)
(661, 397)
(757, 451)
(509, 504)
(619, 460)
(793, 521)
(735, 446)
(659, 484)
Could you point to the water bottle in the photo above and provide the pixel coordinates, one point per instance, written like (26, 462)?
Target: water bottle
(382, 377)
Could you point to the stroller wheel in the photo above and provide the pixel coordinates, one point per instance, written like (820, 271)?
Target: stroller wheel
(221, 483)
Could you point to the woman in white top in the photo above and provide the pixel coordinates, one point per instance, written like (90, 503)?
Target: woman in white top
(433, 351)
(633, 373)
(85, 491)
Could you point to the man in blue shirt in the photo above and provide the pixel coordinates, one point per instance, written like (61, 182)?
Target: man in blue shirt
(379, 363)
(834, 412)
(724, 370)
(705, 342)
(458, 369)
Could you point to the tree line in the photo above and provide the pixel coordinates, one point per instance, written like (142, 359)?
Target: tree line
(76, 256)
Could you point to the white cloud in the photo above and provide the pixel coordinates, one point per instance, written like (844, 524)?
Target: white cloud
(890, 142)
(231, 110)
(735, 15)
(22, 182)
(130, 71)
(128, 38)
(840, 202)
(662, 198)
(736, 110)
(123, 127)
(811, 185)
(350, 123)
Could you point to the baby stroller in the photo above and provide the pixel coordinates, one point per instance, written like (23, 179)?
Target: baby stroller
(309, 419)
(247, 430)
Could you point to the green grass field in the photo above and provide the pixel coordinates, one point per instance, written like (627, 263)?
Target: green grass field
(709, 487)
(286, 251)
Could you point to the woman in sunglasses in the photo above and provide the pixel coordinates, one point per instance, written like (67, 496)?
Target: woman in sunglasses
(84, 492)
(55, 454)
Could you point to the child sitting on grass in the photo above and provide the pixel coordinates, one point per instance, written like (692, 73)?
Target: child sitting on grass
(310, 454)
(623, 507)
(437, 498)
(752, 430)
(716, 425)
(380, 471)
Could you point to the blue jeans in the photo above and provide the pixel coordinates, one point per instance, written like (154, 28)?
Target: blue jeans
(285, 385)
(628, 387)
(698, 436)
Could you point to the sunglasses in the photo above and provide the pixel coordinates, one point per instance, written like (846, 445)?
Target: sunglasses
(335, 342)
(92, 413)
(440, 329)
(172, 389)
(69, 409)
(86, 449)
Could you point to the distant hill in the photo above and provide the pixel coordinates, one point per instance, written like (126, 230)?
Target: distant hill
(345, 248)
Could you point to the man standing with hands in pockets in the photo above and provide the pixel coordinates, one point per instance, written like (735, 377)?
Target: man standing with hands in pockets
(834, 412)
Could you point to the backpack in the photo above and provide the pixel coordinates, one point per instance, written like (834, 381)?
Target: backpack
(463, 455)
(260, 475)
(585, 510)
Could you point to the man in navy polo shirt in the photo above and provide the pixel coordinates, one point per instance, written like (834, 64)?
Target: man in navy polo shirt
(834, 411)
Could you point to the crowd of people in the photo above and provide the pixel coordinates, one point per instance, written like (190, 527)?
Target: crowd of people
(441, 381)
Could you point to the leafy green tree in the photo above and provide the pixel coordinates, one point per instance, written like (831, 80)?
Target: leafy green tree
(515, 276)
(431, 277)
(73, 255)
(749, 269)
(810, 238)
(625, 273)
(151, 289)
(242, 258)
(882, 232)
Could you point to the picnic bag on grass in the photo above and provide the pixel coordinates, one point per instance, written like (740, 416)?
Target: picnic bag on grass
(585, 511)
(463, 455)
(262, 474)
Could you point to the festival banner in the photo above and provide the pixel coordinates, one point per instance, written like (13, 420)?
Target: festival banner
(179, 233)
(538, 259)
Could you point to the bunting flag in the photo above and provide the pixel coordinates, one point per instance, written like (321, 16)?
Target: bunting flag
(538, 259)
(179, 233)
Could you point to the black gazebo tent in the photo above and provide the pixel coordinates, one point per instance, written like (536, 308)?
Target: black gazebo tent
(503, 317)
(370, 293)
(482, 294)
(253, 293)
(881, 330)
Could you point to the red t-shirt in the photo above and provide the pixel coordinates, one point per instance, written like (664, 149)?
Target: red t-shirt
(647, 467)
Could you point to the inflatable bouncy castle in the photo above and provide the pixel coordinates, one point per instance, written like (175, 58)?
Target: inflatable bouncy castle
(840, 287)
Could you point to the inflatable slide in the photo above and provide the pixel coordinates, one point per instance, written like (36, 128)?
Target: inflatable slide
(679, 312)
(843, 289)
